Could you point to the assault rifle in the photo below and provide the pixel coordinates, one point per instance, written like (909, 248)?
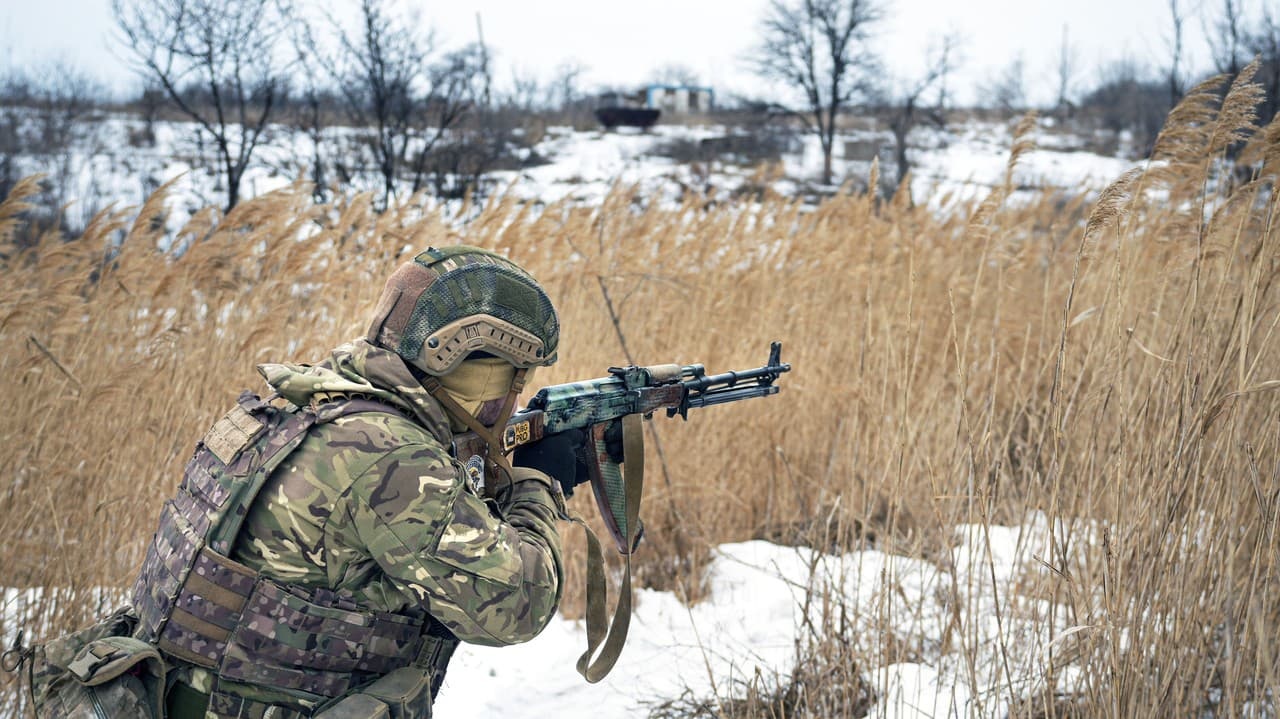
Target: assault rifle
(596, 406)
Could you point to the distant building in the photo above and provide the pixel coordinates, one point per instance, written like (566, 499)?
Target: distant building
(679, 99)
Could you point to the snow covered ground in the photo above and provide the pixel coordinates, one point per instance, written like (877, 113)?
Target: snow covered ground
(969, 640)
(754, 613)
(961, 162)
(109, 165)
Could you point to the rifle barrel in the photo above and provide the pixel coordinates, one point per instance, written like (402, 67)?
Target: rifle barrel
(724, 396)
(765, 376)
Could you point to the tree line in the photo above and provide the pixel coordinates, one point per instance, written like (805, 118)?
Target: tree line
(823, 51)
(420, 113)
(380, 96)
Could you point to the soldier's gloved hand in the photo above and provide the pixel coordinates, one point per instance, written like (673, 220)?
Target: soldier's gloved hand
(613, 441)
(558, 456)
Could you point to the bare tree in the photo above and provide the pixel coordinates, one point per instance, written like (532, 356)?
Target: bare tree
(1177, 46)
(55, 100)
(1227, 37)
(1132, 97)
(389, 84)
(527, 93)
(150, 101)
(379, 70)
(51, 124)
(565, 85)
(819, 48)
(1235, 38)
(1264, 43)
(1007, 91)
(456, 87)
(218, 61)
(312, 102)
(566, 96)
(1068, 63)
(909, 109)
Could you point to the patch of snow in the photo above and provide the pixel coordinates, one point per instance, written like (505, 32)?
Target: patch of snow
(753, 614)
(953, 657)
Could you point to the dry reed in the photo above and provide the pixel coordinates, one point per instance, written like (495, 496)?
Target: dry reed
(948, 370)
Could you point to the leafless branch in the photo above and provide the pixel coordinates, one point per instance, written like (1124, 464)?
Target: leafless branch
(217, 60)
(820, 49)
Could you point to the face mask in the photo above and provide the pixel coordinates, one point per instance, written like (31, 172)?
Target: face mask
(480, 386)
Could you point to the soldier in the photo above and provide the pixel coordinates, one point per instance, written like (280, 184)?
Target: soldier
(325, 553)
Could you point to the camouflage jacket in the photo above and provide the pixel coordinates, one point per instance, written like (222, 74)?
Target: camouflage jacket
(373, 506)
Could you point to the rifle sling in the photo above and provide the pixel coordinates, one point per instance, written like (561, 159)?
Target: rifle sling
(606, 636)
(609, 637)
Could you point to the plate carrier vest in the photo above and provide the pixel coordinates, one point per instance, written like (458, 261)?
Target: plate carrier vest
(198, 605)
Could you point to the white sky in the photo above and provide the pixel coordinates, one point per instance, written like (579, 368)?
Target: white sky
(623, 42)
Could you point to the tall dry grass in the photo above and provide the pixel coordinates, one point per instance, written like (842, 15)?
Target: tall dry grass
(1111, 359)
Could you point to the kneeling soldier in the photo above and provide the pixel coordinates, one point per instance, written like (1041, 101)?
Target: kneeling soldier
(325, 552)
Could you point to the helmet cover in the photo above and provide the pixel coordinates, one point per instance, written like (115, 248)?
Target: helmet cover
(447, 303)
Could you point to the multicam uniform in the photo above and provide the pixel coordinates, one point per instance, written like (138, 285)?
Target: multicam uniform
(368, 515)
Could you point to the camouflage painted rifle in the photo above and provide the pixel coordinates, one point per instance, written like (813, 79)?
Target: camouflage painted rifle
(623, 398)
(593, 405)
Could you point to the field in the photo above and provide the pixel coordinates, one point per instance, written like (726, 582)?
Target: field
(1107, 363)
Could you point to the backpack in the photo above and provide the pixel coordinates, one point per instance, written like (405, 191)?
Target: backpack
(99, 672)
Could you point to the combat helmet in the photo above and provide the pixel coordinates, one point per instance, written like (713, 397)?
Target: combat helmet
(450, 302)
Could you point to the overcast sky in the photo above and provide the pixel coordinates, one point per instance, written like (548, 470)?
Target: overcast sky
(623, 42)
